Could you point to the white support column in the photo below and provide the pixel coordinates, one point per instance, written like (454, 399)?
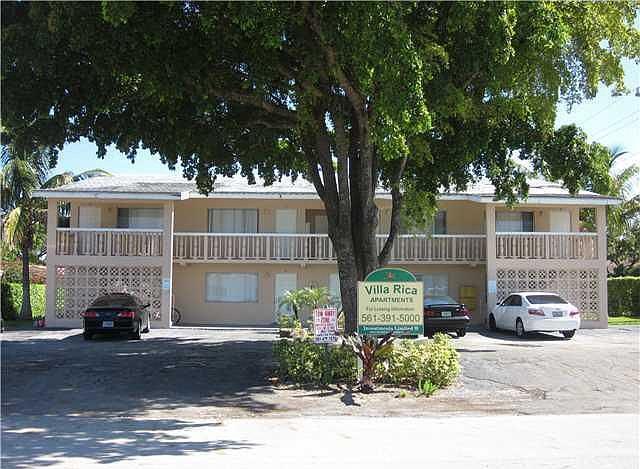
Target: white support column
(601, 225)
(167, 264)
(490, 223)
(52, 224)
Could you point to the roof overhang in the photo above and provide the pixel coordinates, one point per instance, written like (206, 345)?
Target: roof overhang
(584, 200)
(53, 194)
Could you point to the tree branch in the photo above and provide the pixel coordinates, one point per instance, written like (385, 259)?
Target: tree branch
(256, 101)
(396, 204)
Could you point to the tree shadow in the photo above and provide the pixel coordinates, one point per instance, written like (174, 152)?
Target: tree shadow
(83, 393)
(40, 441)
(510, 336)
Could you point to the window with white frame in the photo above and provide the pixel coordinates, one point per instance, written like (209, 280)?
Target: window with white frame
(514, 222)
(334, 286)
(233, 220)
(231, 287)
(140, 218)
(434, 284)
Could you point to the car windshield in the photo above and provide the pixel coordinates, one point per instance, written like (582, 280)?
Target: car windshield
(439, 300)
(545, 299)
(113, 301)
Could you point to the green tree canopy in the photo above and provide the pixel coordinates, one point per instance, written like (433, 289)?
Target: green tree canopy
(412, 96)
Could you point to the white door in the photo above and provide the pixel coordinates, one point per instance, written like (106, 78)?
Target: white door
(560, 221)
(283, 283)
(286, 224)
(89, 217)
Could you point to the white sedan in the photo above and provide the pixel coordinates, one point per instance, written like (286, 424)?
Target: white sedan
(535, 311)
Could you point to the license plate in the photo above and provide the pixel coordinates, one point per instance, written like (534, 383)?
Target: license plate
(445, 314)
(107, 323)
(557, 314)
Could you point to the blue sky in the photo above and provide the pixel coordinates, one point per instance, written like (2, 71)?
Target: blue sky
(613, 121)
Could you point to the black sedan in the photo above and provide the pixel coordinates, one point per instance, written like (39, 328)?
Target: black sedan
(116, 313)
(444, 314)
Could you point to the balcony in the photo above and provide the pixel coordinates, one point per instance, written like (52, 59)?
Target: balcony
(317, 248)
(277, 247)
(577, 246)
(108, 242)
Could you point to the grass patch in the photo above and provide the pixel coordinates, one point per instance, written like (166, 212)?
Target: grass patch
(624, 321)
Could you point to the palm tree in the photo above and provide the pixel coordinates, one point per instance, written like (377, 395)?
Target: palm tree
(23, 215)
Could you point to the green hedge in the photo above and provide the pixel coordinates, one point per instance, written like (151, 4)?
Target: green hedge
(624, 296)
(12, 300)
(409, 362)
(302, 361)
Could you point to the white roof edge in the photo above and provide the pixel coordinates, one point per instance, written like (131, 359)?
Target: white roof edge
(558, 200)
(53, 194)
(184, 195)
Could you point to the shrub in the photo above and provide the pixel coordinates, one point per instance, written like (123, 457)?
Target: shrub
(624, 296)
(286, 321)
(302, 361)
(411, 362)
(12, 300)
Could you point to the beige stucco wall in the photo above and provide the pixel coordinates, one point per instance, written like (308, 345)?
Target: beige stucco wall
(463, 217)
(189, 289)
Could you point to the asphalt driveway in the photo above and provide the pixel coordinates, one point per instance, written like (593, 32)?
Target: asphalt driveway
(62, 395)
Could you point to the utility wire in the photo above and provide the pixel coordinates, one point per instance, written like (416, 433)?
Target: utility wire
(613, 124)
(618, 129)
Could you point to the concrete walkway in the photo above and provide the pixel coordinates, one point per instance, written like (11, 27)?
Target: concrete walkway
(505, 442)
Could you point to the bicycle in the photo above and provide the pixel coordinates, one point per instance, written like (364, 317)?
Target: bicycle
(176, 316)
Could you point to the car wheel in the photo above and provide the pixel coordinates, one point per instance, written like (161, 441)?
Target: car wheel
(568, 334)
(520, 332)
(87, 336)
(148, 326)
(137, 334)
(461, 332)
(492, 323)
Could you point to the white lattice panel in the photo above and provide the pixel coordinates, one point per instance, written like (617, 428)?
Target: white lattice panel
(77, 286)
(579, 287)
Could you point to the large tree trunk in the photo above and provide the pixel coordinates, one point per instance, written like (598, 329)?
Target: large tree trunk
(25, 310)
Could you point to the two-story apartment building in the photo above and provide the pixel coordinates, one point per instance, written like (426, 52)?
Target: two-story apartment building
(227, 258)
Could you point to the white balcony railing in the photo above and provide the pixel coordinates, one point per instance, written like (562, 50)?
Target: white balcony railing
(108, 242)
(318, 247)
(547, 246)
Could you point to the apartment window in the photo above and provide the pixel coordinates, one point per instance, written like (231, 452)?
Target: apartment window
(231, 287)
(233, 220)
(334, 286)
(514, 222)
(438, 225)
(434, 284)
(140, 218)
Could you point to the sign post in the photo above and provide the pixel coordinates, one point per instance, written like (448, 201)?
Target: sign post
(390, 300)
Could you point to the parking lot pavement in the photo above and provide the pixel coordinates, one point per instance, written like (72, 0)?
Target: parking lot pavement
(63, 395)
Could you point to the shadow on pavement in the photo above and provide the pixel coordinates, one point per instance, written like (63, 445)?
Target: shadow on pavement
(37, 441)
(111, 399)
(511, 336)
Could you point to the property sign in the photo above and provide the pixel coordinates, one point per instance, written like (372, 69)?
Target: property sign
(390, 300)
(325, 325)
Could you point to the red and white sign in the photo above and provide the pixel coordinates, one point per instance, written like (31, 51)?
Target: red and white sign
(325, 325)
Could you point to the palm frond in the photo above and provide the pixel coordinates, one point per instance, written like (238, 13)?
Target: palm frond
(14, 227)
(58, 180)
(91, 173)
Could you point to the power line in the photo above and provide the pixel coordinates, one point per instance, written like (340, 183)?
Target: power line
(618, 129)
(597, 113)
(613, 124)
